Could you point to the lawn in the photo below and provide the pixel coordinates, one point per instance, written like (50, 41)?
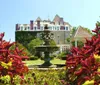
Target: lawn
(39, 62)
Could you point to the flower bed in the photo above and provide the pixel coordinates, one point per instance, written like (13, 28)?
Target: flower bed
(37, 77)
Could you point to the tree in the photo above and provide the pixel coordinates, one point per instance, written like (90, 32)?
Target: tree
(80, 44)
(25, 36)
(20, 46)
(73, 30)
(33, 43)
(68, 40)
(89, 31)
(52, 42)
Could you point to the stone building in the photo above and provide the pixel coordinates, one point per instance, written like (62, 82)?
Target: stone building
(57, 26)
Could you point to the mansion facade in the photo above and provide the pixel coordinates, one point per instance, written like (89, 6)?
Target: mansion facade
(57, 26)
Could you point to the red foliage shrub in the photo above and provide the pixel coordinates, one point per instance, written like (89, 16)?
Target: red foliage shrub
(10, 60)
(81, 64)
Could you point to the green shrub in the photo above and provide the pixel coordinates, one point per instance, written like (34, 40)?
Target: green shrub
(42, 57)
(33, 57)
(63, 57)
(20, 46)
(50, 77)
(60, 55)
(52, 57)
(80, 44)
(39, 77)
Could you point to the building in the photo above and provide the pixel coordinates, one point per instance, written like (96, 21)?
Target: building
(81, 34)
(57, 26)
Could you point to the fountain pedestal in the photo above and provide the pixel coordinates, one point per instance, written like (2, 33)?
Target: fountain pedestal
(47, 50)
(46, 59)
(46, 47)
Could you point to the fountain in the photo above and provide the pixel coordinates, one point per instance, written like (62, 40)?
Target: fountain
(46, 47)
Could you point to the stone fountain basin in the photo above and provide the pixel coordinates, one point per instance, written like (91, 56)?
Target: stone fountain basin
(55, 67)
(46, 48)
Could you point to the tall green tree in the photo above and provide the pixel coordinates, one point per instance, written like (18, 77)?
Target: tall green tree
(89, 31)
(33, 43)
(73, 30)
(20, 46)
(25, 36)
(80, 44)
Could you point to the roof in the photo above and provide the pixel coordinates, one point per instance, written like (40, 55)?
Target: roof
(66, 23)
(49, 20)
(38, 19)
(56, 18)
(82, 32)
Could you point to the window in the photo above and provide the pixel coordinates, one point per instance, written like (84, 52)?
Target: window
(25, 28)
(21, 28)
(41, 27)
(57, 27)
(50, 28)
(53, 28)
(35, 28)
(66, 28)
(28, 28)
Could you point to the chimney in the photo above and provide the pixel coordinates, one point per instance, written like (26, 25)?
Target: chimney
(62, 28)
(61, 21)
(38, 24)
(31, 24)
(17, 27)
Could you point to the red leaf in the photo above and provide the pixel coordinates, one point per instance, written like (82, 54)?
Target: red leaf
(79, 72)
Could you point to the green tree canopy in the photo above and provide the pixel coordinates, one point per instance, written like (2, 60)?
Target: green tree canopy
(20, 46)
(33, 43)
(52, 42)
(73, 30)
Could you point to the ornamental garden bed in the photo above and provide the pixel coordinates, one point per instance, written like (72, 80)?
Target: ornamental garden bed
(82, 66)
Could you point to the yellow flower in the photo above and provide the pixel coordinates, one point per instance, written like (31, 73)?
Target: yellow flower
(9, 63)
(89, 82)
(3, 64)
(97, 58)
(6, 65)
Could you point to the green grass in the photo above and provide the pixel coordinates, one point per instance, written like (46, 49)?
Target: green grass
(39, 62)
(33, 62)
(58, 61)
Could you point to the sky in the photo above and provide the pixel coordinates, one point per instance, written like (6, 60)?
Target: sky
(77, 12)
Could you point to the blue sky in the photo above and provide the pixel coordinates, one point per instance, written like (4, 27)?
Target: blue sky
(77, 12)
